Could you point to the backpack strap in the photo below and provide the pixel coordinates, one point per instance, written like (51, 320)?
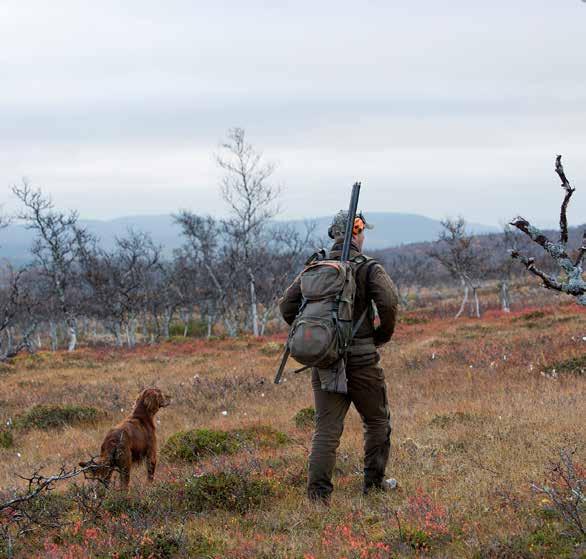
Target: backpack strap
(317, 255)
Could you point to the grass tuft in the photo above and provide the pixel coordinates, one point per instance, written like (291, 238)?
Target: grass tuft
(305, 418)
(192, 446)
(52, 416)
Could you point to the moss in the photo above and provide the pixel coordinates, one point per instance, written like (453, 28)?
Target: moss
(51, 416)
(6, 438)
(192, 446)
(305, 418)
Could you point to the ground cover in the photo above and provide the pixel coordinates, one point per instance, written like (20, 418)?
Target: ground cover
(480, 410)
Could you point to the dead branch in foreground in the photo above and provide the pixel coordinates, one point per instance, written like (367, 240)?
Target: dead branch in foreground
(18, 518)
(572, 282)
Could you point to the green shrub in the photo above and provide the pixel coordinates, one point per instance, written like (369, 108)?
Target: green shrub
(271, 348)
(534, 315)
(6, 438)
(260, 435)
(196, 328)
(162, 544)
(225, 491)
(413, 319)
(546, 542)
(305, 418)
(51, 416)
(575, 365)
(118, 502)
(192, 446)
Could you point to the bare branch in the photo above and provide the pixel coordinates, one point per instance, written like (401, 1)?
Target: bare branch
(559, 169)
(529, 263)
(573, 283)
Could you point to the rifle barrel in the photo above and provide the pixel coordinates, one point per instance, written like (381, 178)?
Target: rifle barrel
(350, 222)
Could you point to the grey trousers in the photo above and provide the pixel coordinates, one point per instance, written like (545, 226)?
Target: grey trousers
(367, 391)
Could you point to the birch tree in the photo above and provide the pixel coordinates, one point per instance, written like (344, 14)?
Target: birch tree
(459, 253)
(251, 196)
(55, 249)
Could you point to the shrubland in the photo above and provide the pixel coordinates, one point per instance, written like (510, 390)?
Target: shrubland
(481, 410)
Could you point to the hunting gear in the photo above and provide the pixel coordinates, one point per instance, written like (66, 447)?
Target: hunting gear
(330, 309)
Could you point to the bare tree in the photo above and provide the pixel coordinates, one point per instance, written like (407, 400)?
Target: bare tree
(460, 254)
(118, 280)
(55, 249)
(247, 190)
(205, 248)
(572, 281)
(17, 310)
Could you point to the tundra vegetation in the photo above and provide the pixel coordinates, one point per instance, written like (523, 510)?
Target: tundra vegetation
(487, 405)
(488, 445)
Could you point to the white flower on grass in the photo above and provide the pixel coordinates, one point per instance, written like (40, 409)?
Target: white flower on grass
(224, 413)
(262, 395)
(18, 454)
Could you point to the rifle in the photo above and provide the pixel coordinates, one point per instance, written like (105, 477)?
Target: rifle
(344, 258)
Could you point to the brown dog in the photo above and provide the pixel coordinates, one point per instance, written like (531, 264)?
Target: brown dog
(131, 441)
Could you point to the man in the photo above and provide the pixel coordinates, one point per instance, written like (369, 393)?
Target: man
(366, 382)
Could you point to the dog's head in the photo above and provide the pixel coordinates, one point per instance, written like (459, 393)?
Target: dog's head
(152, 399)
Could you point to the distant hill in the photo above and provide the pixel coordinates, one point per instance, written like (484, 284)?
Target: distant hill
(390, 229)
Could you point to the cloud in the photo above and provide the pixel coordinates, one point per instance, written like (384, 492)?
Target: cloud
(442, 108)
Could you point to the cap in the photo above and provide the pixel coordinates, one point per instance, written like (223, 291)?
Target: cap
(338, 225)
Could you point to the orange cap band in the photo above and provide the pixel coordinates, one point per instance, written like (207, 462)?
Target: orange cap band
(358, 226)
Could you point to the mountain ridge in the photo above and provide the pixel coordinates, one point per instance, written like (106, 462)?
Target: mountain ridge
(390, 229)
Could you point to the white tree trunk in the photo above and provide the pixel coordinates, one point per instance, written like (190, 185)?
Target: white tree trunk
(505, 300)
(464, 301)
(53, 335)
(167, 317)
(476, 302)
(253, 309)
(210, 323)
(72, 333)
(118, 333)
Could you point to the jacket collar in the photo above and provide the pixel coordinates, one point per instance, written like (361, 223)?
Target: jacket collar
(336, 250)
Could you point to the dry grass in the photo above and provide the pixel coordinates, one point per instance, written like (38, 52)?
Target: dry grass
(478, 413)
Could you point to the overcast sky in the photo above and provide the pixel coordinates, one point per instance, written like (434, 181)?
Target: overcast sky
(440, 108)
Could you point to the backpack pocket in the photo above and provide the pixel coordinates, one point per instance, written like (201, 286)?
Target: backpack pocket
(314, 341)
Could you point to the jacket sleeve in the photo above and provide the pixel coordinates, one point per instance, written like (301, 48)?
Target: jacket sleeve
(291, 301)
(384, 295)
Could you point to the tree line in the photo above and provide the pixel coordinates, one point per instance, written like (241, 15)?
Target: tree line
(228, 274)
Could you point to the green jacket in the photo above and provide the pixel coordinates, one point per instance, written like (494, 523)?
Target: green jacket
(372, 284)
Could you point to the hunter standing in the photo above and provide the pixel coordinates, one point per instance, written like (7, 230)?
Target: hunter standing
(366, 382)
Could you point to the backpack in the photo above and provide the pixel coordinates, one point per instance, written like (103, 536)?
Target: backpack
(323, 330)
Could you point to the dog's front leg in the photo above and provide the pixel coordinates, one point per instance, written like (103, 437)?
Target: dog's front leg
(151, 464)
